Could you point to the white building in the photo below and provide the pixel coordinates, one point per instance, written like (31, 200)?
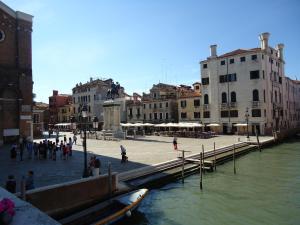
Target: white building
(252, 79)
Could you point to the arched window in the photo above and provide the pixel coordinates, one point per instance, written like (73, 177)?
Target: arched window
(224, 97)
(206, 99)
(233, 96)
(255, 95)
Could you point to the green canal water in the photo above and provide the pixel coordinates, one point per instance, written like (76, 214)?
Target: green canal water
(265, 190)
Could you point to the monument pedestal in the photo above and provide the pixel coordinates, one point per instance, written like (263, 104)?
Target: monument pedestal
(112, 118)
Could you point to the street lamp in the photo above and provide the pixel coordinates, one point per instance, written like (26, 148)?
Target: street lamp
(247, 120)
(84, 116)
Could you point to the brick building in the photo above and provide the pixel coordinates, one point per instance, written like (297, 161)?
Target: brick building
(55, 102)
(16, 74)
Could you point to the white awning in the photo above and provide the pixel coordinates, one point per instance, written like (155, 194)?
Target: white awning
(213, 125)
(240, 125)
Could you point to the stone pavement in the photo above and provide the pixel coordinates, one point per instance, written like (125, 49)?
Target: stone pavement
(141, 152)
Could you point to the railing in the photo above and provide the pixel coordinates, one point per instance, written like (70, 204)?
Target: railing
(255, 104)
(233, 105)
(224, 105)
(206, 106)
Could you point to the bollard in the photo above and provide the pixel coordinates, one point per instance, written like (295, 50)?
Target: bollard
(23, 189)
(109, 179)
(234, 169)
(215, 162)
(200, 169)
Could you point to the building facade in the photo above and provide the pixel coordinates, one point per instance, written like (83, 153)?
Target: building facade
(40, 118)
(93, 94)
(160, 105)
(55, 102)
(134, 108)
(246, 81)
(64, 113)
(189, 102)
(16, 74)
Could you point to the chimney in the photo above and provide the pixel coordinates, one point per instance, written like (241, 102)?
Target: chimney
(264, 38)
(279, 48)
(213, 51)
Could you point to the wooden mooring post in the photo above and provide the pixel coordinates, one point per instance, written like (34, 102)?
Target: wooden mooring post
(257, 138)
(182, 172)
(234, 169)
(200, 169)
(203, 157)
(215, 162)
(109, 179)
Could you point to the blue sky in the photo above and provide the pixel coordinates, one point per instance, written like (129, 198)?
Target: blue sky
(140, 43)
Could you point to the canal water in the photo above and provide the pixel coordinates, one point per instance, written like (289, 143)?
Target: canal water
(265, 190)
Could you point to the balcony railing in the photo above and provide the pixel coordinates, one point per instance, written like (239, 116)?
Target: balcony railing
(224, 105)
(206, 106)
(255, 104)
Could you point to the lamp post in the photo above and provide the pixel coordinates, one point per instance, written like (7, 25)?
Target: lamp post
(247, 120)
(95, 125)
(84, 116)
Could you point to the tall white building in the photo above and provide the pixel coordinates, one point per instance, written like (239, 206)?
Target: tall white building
(253, 81)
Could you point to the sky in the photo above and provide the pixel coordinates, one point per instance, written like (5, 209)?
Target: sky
(143, 42)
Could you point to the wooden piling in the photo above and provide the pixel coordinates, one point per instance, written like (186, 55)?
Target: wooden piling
(203, 157)
(215, 162)
(182, 172)
(200, 169)
(234, 169)
(257, 138)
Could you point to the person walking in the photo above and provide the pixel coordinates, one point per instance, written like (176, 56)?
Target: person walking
(74, 139)
(13, 152)
(123, 154)
(65, 139)
(175, 142)
(97, 165)
(70, 146)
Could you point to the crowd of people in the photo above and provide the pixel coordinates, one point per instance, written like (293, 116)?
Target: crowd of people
(45, 149)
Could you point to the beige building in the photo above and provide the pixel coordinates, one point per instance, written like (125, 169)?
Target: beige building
(160, 105)
(189, 101)
(249, 80)
(64, 113)
(134, 108)
(40, 118)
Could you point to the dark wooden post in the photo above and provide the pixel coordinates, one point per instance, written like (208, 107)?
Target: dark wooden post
(234, 169)
(257, 138)
(23, 189)
(215, 163)
(109, 179)
(200, 169)
(203, 158)
(182, 172)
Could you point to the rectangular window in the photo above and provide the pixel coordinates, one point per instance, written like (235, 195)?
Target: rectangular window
(234, 113)
(265, 113)
(227, 78)
(183, 115)
(197, 102)
(36, 118)
(150, 106)
(205, 81)
(154, 105)
(206, 114)
(144, 106)
(280, 80)
(150, 116)
(264, 95)
(183, 104)
(254, 74)
(160, 105)
(231, 61)
(144, 116)
(224, 114)
(263, 74)
(243, 59)
(204, 66)
(160, 116)
(256, 113)
(167, 104)
(196, 115)
(222, 62)
(254, 57)
(167, 116)
(155, 116)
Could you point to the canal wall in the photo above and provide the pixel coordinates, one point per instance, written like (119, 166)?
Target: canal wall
(64, 198)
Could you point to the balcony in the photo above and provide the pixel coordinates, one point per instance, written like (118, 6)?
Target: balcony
(233, 105)
(206, 107)
(255, 104)
(224, 105)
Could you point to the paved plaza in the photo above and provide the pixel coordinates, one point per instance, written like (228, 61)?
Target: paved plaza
(142, 151)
